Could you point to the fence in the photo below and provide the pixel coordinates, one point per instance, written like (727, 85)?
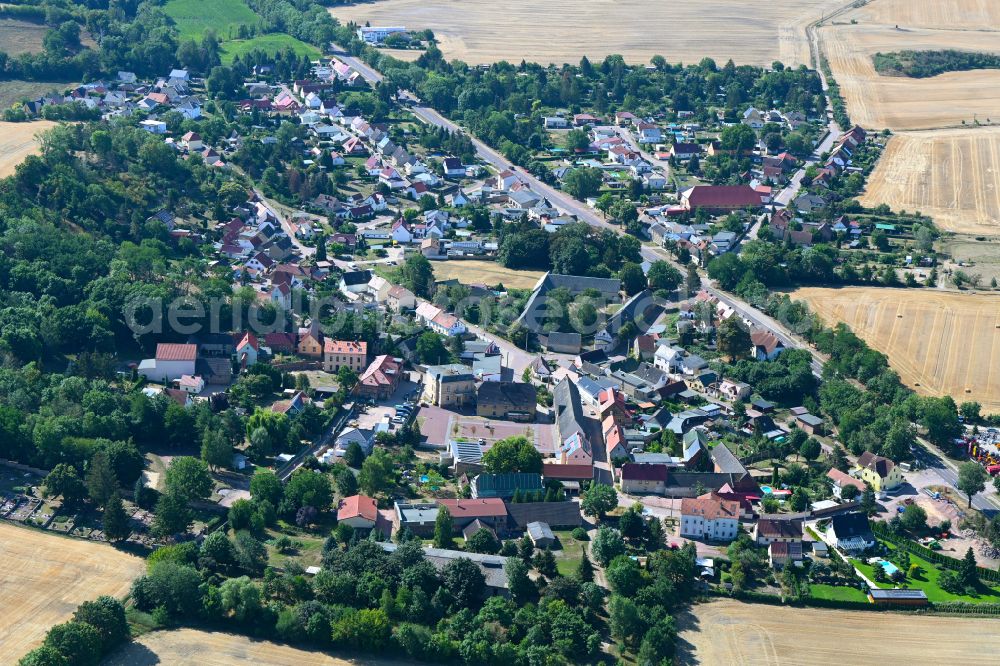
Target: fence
(883, 532)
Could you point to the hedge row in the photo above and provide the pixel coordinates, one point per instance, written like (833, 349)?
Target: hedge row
(23, 12)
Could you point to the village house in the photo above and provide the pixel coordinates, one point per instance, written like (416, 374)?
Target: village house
(777, 530)
(720, 199)
(310, 342)
(352, 354)
(639, 479)
(840, 480)
(381, 378)
(450, 385)
(507, 400)
(765, 345)
(850, 532)
(879, 472)
(709, 518)
(358, 511)
(489, 512)
(400, 298)
(172, 361)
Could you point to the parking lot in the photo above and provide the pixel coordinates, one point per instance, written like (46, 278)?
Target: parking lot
(369, 416)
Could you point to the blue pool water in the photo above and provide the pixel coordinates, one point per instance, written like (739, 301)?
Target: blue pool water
(424, 478)
(889, 567)
(767, 490)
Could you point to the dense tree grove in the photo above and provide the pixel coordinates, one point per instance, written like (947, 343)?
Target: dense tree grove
(138, 36)
(925, 64)
(575, 249)
(368, 599)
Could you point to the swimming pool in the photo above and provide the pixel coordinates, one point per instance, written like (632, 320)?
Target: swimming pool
(889, 567)
(768, 490)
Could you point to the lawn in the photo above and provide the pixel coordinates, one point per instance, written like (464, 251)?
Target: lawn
(269, 44)
(307, 552)
(568, 557)
(927, 580)
(836, 592)
(194, 17)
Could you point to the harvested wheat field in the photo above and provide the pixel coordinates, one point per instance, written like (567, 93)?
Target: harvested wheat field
(190, 647)
(490, 273)
(17, 37)
(951, 14)
(940, 342)
(482, 31)
(903, 103)
(730, 632)
(44, 578)
(951, 175)
(17, 141)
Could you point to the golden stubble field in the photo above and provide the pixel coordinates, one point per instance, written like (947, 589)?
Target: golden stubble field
(951, 14)
(473, 271)
(733, 633)
(17, 37)
(951, 175)
(17, 141)
(560, 31)
(947, 169)
(903, 103)
(940, 342)
(44, 577)
(191, 647)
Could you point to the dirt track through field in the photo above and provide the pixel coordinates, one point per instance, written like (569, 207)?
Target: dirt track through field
(44, 577)
(940, 342)
(733, 633)
(190, 647)
(17, 141)
(482, 31)
(951, 175)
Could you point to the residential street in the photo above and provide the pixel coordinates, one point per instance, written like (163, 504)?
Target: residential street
(985, 502)
(791, 191)
(583, 212)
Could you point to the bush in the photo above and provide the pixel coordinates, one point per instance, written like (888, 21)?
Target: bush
(580, 534)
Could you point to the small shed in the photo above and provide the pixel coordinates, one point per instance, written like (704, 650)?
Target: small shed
(810, 423)
(898, 597)
(541, 534)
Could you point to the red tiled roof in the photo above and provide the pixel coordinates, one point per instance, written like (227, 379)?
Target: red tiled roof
(488, 507)
(844, 479)
(722, 196)
(357, 505)
(248, 339)
(345, 346)
(380, 371)
(766, 339)
(175, 352)
(710, 508)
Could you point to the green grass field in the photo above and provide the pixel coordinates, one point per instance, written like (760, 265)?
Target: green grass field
(836, 592)
(194, 17)
(268, 44)
(569, 556)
